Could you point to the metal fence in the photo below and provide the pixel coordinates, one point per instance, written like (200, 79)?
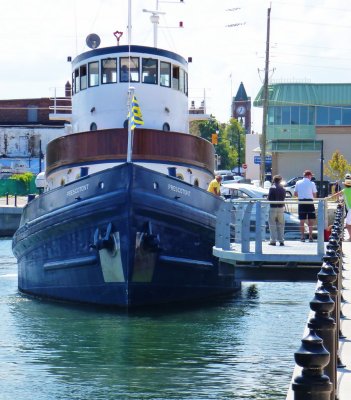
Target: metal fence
(12, 187)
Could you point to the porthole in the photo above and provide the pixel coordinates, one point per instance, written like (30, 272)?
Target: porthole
(93, 126)
(166, 127)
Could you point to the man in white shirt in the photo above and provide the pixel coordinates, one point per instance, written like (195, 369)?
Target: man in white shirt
(306, 190)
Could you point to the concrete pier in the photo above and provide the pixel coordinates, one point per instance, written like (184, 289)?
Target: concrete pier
(10, 214)
(344, 374)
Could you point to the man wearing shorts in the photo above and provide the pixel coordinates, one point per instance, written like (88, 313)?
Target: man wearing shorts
(306, 190)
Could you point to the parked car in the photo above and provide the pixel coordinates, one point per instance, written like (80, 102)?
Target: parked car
(292, 181)
(247, 191)
(230, 178)
(223, 172)
(290, 184)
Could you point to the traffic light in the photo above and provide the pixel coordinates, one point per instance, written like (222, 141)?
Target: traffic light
(214, 138)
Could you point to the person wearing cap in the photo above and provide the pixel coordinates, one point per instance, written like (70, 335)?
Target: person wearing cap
(215, 185)
(305, 190)
(276, 220)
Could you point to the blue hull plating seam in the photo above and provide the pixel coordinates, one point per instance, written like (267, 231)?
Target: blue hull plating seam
(54, 242)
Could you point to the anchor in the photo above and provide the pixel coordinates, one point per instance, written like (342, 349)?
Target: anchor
(106, 242)
(149, 241)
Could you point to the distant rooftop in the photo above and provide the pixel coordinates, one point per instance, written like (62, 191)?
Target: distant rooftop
(330, 94)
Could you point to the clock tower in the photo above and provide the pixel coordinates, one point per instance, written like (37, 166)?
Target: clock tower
(241, 108)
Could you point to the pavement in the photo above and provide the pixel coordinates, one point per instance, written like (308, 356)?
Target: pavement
(344, 374)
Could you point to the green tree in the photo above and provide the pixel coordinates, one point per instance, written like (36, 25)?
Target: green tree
(229, 136)
(337, 167)
(234, 135)
(25, 178)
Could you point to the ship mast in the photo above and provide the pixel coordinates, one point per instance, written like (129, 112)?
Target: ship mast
(155, 18)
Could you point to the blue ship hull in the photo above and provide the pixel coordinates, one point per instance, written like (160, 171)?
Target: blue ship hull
(126, 236)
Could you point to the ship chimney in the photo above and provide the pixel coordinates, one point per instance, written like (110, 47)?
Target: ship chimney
(68, 89)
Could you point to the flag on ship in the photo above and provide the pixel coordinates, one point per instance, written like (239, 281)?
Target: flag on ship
(137, 117)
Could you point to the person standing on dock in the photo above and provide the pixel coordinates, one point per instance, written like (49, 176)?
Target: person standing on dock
(276, 219)
(346, 194)
(215, 185)
(305, 190)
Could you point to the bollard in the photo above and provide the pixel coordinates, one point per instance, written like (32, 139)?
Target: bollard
(312, 357)
(334, 255)
(327, 276)
(324, 326)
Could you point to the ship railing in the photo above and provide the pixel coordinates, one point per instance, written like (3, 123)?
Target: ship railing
(243, 221)
(61, 106)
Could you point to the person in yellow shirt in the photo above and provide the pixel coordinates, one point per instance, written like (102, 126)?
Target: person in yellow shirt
(215, 185)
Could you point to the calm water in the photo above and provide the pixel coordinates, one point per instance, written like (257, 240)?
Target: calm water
(239, 349)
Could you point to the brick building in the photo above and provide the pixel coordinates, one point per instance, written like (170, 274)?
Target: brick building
(25, 129)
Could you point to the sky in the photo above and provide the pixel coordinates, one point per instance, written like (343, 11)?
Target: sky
(309, 42)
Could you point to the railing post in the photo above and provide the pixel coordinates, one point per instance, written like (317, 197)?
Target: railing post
(246, 223)
(223, 226)
(15, 200)
(258, 236)
(320, 226)
(312, 357)
(324, 326)
(7, 198)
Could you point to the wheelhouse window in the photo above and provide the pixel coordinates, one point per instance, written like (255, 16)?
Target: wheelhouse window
(73, 83)
(83, 77)
(76, 80)
(175, 77)
(109, 70)
(93, 73)
(129, 69)
(182, 80)
(165, 74)
(149, 70)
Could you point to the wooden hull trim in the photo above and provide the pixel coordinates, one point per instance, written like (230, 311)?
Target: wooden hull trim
(148, 145)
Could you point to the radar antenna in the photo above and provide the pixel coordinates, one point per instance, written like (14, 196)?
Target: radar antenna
(93, 41)
(155, 17)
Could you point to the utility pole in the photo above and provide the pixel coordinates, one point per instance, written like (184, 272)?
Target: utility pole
(265, 106)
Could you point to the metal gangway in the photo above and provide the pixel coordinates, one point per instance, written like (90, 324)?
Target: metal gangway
(242, 237)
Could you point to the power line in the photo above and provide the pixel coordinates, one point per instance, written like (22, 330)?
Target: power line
(299, 21)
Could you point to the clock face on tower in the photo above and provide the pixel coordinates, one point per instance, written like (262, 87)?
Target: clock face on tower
(241, 110)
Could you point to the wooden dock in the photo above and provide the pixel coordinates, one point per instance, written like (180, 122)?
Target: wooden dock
(292, 251)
